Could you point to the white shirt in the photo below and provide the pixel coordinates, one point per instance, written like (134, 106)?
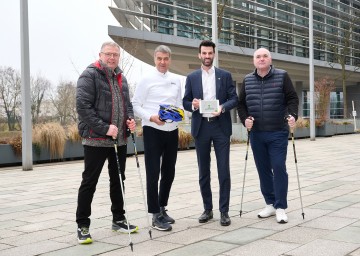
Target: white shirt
(208, 85)
(153, 90)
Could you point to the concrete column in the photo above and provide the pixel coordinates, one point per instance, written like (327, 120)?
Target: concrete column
(299, 90)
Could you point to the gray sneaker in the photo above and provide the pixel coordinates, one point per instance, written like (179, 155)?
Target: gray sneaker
(122, 226)
(167, 218)
(159, 223)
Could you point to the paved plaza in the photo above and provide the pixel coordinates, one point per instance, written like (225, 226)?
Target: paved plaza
(37, 208)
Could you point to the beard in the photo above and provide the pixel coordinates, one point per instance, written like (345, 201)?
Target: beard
(207, 62)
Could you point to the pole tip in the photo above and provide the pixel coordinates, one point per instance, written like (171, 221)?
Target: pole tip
(303, 215)
(131, 246)
(240, 213)
(150, 234)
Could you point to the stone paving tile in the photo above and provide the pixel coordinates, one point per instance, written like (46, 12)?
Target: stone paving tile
(4, 246)
(33, 227)
(242, 236)
(262, 247)
(148, 248)
(18, 208)
(203, 248)
(349, 212)
(299, 235)
(40, 248)
(39, 217)
(30, 238)
(5, 233)
(93, 249)
(328, 222)
(355, 253)
(190, 236)
(11, 224)
(331, 205)
(356, 224)
(346, 234)
(322, 247)
(348, 198)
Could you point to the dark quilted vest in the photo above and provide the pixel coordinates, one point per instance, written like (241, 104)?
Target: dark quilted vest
(265, 100)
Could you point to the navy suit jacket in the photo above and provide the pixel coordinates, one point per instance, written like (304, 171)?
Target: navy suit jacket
(225, 93)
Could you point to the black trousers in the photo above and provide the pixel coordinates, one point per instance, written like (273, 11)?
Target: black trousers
(160, 150)
(94, 159)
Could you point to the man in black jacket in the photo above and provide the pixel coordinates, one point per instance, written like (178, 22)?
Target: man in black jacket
(268, 104)
(105, 113)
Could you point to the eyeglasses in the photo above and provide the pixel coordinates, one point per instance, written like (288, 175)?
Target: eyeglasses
(109, 54)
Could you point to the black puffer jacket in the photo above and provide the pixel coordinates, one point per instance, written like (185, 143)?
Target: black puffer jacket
(94, 101)
(268, 100)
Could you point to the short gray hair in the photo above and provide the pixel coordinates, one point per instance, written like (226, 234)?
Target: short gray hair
(163, 49)
(109, 43)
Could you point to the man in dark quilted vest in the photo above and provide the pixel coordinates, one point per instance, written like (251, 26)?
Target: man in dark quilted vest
(268, 106)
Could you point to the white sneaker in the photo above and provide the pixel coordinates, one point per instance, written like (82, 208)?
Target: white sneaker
(281, 216)
(268, 211)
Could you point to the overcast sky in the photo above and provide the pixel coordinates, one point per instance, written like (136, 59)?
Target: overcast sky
(65, 35)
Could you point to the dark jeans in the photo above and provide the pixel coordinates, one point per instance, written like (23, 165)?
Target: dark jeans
(94, 159)
(160, 149)
(270, 150)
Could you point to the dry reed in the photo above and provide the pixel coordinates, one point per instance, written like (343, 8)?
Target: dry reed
(52, 136)
(184, 139)
(73, 133)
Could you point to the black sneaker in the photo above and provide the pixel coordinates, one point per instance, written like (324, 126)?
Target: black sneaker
(159, 223)
(122, 226)
(84, 236)
(167, 218)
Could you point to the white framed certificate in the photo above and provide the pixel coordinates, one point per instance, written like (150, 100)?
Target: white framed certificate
(209, 106)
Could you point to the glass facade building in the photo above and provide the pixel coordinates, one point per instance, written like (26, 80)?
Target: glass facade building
(278, 25)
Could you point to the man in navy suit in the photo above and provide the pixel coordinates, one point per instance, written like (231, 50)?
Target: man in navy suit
(211, 83)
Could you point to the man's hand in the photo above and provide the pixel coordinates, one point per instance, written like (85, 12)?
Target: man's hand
(196, 104)
(113, 131)
(130, 123)
(217, 113)
(156, 120)
(249, 122)
(291, 121)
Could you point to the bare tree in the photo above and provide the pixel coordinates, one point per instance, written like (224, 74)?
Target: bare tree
(10, 94)
(323, 87)
(221, 4)
(342, 52)
(65, 102)
(39, 87)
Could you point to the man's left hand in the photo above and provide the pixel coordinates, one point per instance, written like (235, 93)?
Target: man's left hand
(217, 113)
(291, 121)
(131, 124)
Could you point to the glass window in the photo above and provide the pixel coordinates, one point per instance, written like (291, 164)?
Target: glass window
(331, 3)
(306, 103)
(336, 105)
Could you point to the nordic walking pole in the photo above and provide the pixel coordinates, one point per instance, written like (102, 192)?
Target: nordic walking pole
(246, 158)
(123, 194)
(297, 171)
(142, 186)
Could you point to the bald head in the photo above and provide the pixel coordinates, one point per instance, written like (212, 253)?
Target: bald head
(262, 60)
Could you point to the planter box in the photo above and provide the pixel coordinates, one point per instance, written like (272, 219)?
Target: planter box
(344, 128)
(326, 130)
(303, 132)
(73, 150)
